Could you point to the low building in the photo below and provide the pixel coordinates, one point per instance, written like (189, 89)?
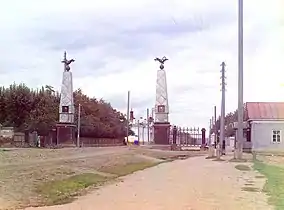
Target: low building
(265, 126)
(7, 132)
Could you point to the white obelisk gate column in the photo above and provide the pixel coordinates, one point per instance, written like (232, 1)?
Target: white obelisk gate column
(161, 122)
(66, 127)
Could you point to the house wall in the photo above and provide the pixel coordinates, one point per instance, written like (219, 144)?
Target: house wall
(261, 135)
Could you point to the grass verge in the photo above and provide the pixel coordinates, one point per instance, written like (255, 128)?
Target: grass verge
(63, 191)
(274, 185)
(243, 167)
(250, 189)
(235, 160)
(260, 177)
(125, 169)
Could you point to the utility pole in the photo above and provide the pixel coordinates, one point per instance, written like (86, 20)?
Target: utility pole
(127, 116)
(143, 132)
(215, 126)
(79, 125)
(210, 127)
(222, 120)
(148, 126)
(138, 129)
(215, 130)
(240, 81)
(152, 124)
(210, 145)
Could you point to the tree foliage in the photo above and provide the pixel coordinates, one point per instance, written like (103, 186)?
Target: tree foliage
(27, 109)
(230, 118)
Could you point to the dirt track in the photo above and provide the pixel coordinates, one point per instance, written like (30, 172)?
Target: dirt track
(192, 184)
(22, 170)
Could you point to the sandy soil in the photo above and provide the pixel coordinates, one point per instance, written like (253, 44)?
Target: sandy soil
(21, 170)
(192, 184)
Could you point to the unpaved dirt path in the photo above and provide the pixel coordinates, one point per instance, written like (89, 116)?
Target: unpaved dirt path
(192, 184)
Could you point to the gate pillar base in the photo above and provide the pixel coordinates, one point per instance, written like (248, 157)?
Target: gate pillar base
(65, 134)
(162, 133)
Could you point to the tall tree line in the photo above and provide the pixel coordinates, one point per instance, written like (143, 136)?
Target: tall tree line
(230, 118)
(27, 109)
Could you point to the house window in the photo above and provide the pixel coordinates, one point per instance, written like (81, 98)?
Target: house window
(276, 136)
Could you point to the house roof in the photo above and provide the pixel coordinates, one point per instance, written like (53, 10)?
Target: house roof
(265, 110)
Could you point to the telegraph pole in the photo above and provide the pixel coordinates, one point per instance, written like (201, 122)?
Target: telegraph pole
(210, 145)
(240, 81)
(79, 125)
(215, 127)
(148, 125)
(222, 120)
(127, 116)
(210, 127)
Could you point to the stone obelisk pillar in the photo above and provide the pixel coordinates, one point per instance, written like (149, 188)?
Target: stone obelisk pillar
(161, 123)
(66, 126)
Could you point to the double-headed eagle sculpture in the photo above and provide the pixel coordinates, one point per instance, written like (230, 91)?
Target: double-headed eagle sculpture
(161, 61)
(67, 62)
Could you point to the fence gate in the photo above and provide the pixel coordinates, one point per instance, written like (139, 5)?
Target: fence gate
(187, 136)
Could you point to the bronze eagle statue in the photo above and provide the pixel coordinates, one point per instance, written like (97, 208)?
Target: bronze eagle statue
(161, 60)
(67, 62)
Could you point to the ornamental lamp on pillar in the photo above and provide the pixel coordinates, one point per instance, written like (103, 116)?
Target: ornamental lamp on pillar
(131, 117)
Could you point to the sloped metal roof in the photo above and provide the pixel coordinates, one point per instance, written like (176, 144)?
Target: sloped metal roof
(265, 110)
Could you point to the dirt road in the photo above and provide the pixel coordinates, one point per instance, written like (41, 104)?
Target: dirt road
(23, 170)
(192, 184)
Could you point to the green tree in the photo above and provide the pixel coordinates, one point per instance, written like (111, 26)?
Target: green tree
(27, 109)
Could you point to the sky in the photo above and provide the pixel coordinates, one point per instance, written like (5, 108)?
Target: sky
(115, 42)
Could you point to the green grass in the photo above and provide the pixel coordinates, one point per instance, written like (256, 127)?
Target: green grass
(122, 170)
(4, 150)
(274, 185)
(260, 177)
(250, 189)
(235, 160)
(63, 191)
(243, 167)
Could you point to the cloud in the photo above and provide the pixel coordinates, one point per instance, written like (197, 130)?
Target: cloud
(114, 44)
